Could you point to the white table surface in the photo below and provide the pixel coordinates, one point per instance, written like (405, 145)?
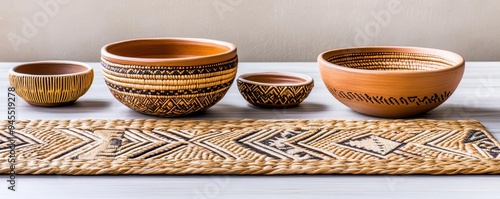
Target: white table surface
(477, 97)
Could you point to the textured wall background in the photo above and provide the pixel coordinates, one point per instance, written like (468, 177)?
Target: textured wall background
(263, 30)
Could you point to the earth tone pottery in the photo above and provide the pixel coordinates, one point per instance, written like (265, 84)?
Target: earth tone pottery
(169, 77)
(51, 83)
(391, 82)
(275, 89)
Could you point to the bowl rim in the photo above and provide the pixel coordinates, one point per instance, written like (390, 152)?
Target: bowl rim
(442, 53)
(201, 60)
(87, 70)
(307, 79)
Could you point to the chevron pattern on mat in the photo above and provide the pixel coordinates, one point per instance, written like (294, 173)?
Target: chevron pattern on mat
(94, 147)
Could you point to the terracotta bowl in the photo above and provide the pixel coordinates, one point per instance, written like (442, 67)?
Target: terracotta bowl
(274, 89)
(169, 77)
(391, 82)
(51, 83)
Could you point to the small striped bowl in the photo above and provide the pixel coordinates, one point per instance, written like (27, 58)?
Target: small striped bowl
(51, 83)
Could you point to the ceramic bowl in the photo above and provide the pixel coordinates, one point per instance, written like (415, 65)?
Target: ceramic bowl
(391, 82)
(275, 89)
(169, 77)
(51, 83)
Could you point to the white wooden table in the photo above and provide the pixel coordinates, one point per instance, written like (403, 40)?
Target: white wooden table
(478, 97)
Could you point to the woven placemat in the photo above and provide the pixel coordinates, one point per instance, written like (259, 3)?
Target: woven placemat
(250, 147)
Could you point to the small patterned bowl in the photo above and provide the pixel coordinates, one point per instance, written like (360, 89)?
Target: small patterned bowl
(275, 89)
(51, 83)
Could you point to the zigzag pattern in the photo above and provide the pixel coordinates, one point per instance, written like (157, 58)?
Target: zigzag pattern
(249, 144)
(21, 139)
(392, 100)
(272, 95)
(176, 147)
(169, 106)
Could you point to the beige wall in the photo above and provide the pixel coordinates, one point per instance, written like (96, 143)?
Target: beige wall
(263, 30)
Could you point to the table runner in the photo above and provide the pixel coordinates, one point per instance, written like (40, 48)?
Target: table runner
(249, 147)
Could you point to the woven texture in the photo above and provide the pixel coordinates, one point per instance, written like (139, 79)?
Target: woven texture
(169, 91)
(249, 147)
(391, 61)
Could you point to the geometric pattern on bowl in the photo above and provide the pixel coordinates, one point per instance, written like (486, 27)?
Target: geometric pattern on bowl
(169, 91)
(274, 96)
(169, 106)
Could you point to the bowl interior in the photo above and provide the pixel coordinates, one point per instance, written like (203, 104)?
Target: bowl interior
(271, 79)
(165, 49)
(398, 60)
(50, 69)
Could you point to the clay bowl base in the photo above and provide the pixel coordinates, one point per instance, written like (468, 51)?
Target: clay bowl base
(188, 115)
(52, 104)
(277, 106)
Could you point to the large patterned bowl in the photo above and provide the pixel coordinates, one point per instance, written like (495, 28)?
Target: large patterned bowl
(169, 77)
(391, 82)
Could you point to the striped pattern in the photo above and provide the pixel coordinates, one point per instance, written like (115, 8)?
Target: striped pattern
(96, 147)
(391, 61)
(162, 72)
(52, 89)
(274, 96)
(169, 91)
